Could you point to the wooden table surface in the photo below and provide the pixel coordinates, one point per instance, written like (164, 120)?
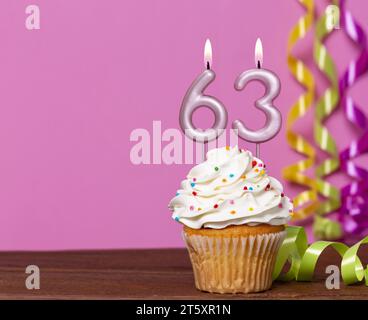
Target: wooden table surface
(141, 274)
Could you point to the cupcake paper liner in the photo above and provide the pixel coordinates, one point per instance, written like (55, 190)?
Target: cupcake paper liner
(241, 264)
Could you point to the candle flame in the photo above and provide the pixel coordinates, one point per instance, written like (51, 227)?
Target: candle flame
(258, 53)
(208, 54)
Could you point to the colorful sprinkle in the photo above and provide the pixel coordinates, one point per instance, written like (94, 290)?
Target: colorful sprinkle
(224, 180)
(191, 208)
(260, 165)
(216, 168)
(243, 176)
(256, 170)
(177, 193)
(231, 175)
(250, 188)
(176, 218)
(250, 209)
(232, 211)
(227, 148)
(199, 209)
(245, 188)
(194, 179)
(192, 184)
(254, 163)
(282, 195)
(280, 205)
(215, 206)
(231, 201)
(194, 193)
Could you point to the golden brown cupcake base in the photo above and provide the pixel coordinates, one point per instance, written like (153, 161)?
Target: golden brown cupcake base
(231, 231)
(236, 259)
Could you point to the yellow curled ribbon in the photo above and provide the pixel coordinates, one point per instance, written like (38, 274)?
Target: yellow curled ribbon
(326, 104)
(306, 202)
(303, 259)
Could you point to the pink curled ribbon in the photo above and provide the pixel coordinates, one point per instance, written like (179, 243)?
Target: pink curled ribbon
(353, 213)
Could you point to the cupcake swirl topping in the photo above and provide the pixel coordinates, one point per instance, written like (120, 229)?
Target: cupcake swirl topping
(230, 188)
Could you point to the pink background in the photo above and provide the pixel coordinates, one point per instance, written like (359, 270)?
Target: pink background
(72, 92)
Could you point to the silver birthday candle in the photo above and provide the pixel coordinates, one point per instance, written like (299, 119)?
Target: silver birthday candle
(273, 116)
(195, 98)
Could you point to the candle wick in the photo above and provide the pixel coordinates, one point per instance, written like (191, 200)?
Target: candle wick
(259, 64)
(208, 65)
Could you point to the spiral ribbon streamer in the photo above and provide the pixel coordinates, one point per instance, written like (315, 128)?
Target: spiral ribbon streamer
(306, 202)
(303, 259)
(354, 208)
(325, 106)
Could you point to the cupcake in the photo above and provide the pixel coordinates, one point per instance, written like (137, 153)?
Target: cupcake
(233, 217)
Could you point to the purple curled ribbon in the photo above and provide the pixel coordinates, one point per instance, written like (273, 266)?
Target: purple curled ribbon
(353, 214)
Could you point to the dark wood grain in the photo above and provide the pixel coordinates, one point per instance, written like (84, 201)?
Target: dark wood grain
(141, 274)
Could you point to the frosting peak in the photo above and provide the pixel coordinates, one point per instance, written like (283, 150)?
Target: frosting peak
(230, 188)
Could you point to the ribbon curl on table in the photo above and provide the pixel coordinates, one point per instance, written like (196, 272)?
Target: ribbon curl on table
(326, 104)
(303, 259)
(306, 202)
(353, 213)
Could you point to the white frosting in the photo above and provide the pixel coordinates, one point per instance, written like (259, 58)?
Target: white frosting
(230, 188)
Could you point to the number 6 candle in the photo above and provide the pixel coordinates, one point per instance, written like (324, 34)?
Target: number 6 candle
(195, 98)
(273, 116)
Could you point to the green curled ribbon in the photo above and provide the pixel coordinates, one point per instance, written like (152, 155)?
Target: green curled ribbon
(325, 106)
(303, 258)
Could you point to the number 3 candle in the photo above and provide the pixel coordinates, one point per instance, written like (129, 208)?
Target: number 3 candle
(273, 116)
(195, 98)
